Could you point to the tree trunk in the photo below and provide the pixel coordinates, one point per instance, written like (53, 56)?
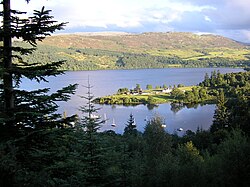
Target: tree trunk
(7, 52)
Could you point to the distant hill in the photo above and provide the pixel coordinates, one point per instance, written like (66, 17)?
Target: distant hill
(145, 41)
(119, 50)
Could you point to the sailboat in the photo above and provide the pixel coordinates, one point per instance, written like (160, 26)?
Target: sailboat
(180, 129)
(104, 117)
(113, 123)
(134, 122)
(93, 116)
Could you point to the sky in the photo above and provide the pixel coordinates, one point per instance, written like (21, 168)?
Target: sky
(229, 18)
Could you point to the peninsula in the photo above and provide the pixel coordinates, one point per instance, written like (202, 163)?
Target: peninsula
(157, 95)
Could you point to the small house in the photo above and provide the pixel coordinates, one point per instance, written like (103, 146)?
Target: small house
(167, 90)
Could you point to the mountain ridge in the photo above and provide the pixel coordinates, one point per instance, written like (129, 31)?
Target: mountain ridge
(128, 41)
(92, 51)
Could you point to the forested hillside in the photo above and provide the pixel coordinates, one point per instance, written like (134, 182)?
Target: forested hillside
(147, 50)
(84, 156)
(39, 147)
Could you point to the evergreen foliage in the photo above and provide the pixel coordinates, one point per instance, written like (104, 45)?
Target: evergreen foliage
(234, 160)
(130, 129)
(232, 92)
(122, 91)
(89, 125)
(90, 121)
(177, 93)
(61, 157)
(221, 114)
(82, 156)
(163, 50)
(23, 110)
(149, 87)
(158, 142)
(83, 58)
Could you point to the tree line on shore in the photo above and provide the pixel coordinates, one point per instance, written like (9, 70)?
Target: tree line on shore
(39, 147)
(81, 155)
(206, 92)
(95, 59)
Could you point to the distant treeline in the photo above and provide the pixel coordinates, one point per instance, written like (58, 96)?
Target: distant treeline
(94, 59)
(206, 92)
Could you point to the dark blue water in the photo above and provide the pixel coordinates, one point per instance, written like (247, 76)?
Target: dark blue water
(107, 82)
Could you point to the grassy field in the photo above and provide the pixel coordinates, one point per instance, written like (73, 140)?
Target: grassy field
(154, 96)
(134, 51)
(135, 99)
(194, 54)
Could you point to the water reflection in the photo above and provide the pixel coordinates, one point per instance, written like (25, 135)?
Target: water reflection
(109, 81)
(186, 118)
(175, 107)
(152, 106)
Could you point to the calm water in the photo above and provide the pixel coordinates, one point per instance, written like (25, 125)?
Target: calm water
(107, 82)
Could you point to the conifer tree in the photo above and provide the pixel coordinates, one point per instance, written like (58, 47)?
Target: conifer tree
(90, 121)
(89, 124)
(157, 140)
(221, 114)
(157, 146)
(206, 80)
(130, 128)
(21, 109)
(131, 152)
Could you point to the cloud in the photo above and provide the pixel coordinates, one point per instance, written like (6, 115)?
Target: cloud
(207, 19)
(123, 13)
(229, 17)
(246, 33)
(233, 14)
(238, 35)
(193, 22)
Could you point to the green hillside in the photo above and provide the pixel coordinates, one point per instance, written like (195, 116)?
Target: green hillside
(147, 50)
